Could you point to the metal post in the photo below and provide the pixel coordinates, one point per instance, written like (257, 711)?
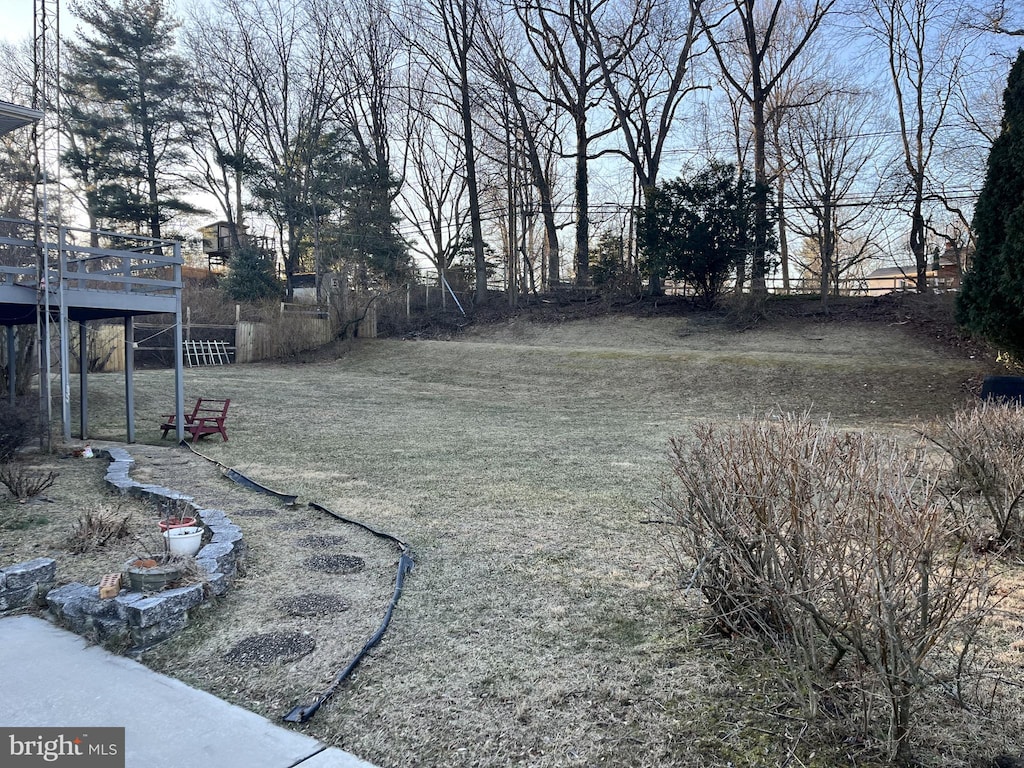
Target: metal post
(46, 363)
(12, 365)
(65, 341)
(83, 380)
(179, 368)
(129, 377)
(457, 302)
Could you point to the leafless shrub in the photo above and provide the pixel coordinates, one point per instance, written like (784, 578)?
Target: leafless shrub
(95, 529)
(18, 427)
(986, 446)
(24, 482)
(833, 547)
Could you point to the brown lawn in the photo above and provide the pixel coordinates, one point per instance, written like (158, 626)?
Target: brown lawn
(543, 624)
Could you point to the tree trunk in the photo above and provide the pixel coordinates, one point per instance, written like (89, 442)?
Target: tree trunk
(759, 264)
(479, 262)
(780, 198)
(917, 240)
(827, 254)
(582, 250)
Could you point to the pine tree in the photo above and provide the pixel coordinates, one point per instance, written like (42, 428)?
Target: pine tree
(370, 227)
(251, 276)
(125, 116)
(991, 300)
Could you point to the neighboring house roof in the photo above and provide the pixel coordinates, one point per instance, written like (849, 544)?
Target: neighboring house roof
(13, 117)
(892, 272)
(907, 271)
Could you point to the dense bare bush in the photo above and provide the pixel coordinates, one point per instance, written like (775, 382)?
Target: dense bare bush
(94, 529)
(24, 482)
(18, 427)
(833, 547)
(985, 485)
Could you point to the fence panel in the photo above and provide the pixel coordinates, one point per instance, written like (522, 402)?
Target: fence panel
(259, 341)
(105, 348)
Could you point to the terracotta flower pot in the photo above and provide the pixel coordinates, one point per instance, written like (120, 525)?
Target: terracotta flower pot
(177, 522)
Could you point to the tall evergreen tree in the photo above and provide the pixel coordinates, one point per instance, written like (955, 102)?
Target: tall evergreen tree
(126, 91)
(991, 300)
(369, 225)
(252, 276)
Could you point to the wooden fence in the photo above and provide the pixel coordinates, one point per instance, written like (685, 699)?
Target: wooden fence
(259, 341)
(105, 348)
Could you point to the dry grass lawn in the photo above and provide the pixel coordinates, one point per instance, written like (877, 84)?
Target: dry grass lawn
(543, 624)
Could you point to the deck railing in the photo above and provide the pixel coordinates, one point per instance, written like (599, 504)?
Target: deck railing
(93, 260)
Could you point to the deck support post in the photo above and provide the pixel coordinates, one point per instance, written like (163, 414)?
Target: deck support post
(65, 343)
(129, 378)
(12, 365)
(179, 364)
(83, 380)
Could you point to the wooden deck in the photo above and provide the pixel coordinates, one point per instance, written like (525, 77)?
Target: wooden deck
(90, 275)
(95, 275)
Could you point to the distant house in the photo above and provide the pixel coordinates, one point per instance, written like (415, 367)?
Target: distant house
(218, 243)
(942, 276)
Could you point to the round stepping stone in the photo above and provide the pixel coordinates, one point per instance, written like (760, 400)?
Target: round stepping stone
(265, 649)
(321, 541)
(342, 564)
(289, 525)
(312, 604)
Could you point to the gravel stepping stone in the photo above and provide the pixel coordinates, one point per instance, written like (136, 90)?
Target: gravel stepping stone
(289, 525)
(320, 541)
(342, 564)
(265, 649)
(312, 604)
(258, 512)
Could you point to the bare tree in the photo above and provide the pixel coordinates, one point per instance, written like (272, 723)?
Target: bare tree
(444, 40)
(364, 47)
(433, 195)
(996, 17)
(531, 129)
(829, 157)
(286, 68)
(767, 56)
(560, 39)
(223, 103)
(645, 57)
(925, 44)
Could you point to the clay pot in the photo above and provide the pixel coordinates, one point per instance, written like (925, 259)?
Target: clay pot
(177, 522)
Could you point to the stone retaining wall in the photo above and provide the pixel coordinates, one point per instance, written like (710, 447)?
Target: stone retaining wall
(25, 583)
(134, 618)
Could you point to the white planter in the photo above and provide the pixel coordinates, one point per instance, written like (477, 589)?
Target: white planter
(184, 541)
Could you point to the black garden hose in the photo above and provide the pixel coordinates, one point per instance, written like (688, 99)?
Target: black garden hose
(247, 482)
(301, 713)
